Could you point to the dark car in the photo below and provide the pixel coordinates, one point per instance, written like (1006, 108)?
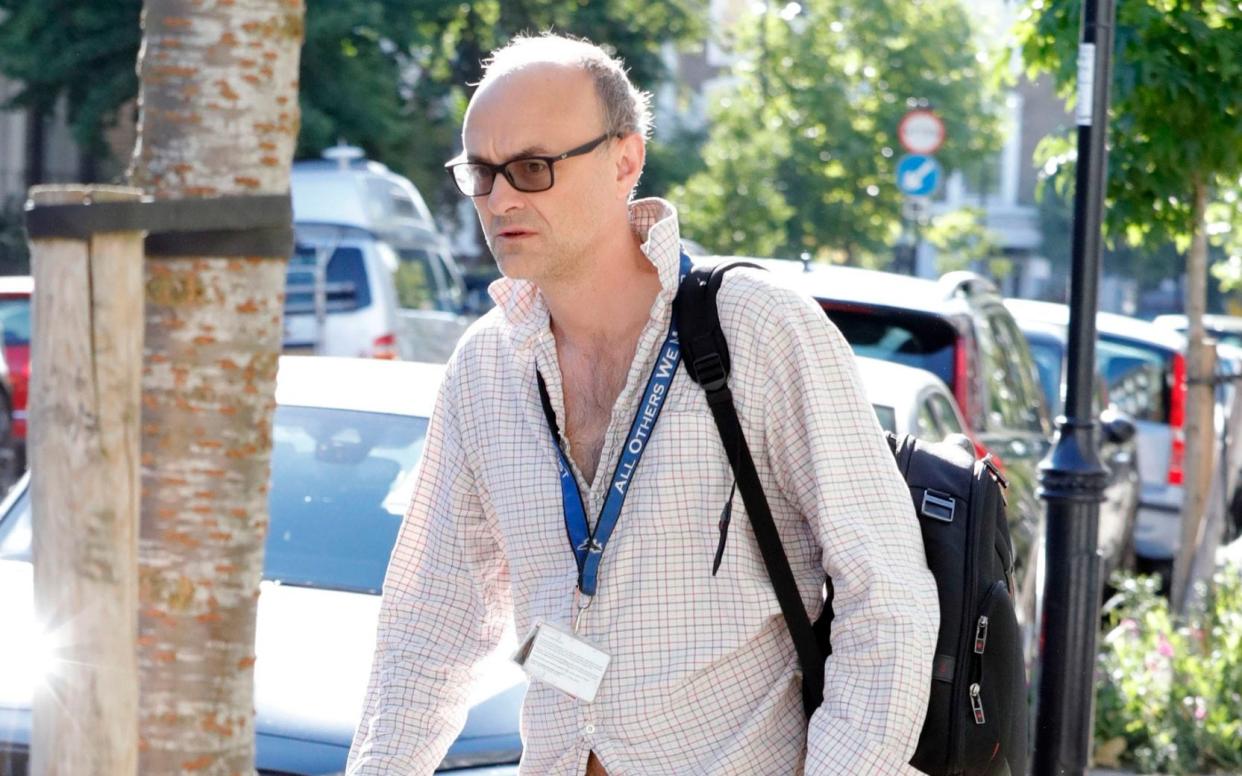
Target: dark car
(958, 329)
(1118, 447)
(347, 436)
(15, 293)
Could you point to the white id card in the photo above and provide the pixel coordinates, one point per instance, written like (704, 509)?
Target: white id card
(553, 655)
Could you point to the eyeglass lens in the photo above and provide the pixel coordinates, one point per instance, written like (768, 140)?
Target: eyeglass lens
(524, 174)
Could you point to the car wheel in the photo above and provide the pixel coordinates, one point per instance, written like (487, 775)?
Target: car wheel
(1158, 566)
(1233, 527)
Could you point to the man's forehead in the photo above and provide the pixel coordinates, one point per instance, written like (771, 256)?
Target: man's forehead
(537, 104)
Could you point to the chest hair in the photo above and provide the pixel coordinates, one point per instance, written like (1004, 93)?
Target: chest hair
(592, 383)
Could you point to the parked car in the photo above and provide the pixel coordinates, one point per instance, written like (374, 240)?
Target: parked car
(1226, 329)
(1118, 446)
(15, 293)
(958, 329)
(909, 400)
(1145, 371)
(372, 274)
(347, 435)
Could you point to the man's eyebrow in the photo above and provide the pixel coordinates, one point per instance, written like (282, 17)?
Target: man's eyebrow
(534, 150)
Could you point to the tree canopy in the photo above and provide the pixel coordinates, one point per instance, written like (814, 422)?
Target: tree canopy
(390, 76)
(803, 146)
(1175, 113)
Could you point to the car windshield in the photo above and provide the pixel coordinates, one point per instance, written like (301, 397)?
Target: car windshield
(1139, 377)
(1231, 338)
(341, 481)
(922, 341)
(15, 319)
(886, 416)
(1047, 354)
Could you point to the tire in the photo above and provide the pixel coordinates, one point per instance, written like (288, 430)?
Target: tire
(1233, 525)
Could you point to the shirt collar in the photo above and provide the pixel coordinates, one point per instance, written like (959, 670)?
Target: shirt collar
(653, 220)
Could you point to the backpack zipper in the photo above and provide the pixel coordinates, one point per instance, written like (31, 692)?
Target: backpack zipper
(976, 661)
(981, 635)
(976, 704)
(963, 659)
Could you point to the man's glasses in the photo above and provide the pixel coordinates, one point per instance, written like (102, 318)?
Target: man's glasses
(529, 174)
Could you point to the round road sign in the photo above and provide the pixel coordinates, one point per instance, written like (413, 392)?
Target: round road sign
(921, 132)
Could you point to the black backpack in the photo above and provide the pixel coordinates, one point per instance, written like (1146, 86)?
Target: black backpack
(976, 719)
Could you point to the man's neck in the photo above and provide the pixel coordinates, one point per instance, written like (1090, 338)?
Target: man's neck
(605, 305)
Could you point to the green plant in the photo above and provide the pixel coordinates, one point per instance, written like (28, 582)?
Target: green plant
(1169, 691)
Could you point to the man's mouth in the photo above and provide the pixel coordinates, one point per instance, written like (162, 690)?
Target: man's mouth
(514, 233)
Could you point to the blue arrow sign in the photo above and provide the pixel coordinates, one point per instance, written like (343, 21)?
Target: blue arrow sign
(917, 175)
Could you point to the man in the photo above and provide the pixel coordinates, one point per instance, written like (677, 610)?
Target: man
(679, 670)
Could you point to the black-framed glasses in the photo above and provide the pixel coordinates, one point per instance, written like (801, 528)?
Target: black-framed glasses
(528, 173)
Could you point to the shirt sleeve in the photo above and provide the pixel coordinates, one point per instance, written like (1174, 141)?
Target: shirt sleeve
(830, 458)
(445, 603)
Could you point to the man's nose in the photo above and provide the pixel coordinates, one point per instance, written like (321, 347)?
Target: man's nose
(503, 197)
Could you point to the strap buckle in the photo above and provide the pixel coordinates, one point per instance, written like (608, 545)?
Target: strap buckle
(711, 372)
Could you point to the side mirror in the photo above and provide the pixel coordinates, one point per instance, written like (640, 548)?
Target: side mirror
(1117, 426)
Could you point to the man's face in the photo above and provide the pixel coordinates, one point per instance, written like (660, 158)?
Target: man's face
(542, 110)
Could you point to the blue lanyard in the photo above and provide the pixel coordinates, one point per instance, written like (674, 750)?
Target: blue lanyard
(588, 546)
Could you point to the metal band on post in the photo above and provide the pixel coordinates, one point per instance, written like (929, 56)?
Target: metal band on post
(258, 225)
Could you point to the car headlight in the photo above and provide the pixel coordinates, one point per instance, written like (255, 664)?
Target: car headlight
(25, 652)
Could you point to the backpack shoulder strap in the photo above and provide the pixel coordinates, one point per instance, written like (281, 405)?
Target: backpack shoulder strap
(706, 357)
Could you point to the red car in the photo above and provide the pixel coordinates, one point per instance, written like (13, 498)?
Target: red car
(15, 294)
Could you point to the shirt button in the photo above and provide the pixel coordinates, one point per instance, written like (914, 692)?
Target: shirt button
(589, 730)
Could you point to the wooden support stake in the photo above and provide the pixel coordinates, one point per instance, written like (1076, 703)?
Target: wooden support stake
(84, 421)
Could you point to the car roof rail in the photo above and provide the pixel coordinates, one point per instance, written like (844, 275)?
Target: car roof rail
(965, 282)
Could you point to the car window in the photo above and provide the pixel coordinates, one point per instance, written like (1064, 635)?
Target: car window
(946, 418)
(1002, 401)
(886, 416)
(1139, 378)
(15, 318)
(345, 289)
(922, 341)
(1231, 338)
(1016, 399)
(1047, 356)
(416, 280)
(341, 482)
(929, 428)
(15, 537)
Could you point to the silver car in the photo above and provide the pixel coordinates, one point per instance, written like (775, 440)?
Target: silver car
(1145, 371)
(910, 401)
(347, 436)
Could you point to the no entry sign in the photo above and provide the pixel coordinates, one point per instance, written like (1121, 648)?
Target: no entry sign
(921, 132)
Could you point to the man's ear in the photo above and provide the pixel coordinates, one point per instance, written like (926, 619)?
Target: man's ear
(631, 155)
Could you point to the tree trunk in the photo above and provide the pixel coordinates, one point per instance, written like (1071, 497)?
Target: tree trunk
(219, 116)
(1199, 423)
(84, 391)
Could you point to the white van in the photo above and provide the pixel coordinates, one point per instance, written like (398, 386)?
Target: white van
(371, 274)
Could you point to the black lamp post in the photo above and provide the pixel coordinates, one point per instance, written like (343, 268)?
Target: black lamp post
(1072, 478)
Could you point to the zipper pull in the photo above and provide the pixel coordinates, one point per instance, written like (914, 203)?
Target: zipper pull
(726, 514)
(976, 704)
(981, 635)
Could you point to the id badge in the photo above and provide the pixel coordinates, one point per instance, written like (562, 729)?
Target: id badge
(555, 656)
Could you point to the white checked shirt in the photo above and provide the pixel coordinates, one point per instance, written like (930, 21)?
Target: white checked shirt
(703, 678)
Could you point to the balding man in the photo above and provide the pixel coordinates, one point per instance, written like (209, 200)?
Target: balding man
(573, 480)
